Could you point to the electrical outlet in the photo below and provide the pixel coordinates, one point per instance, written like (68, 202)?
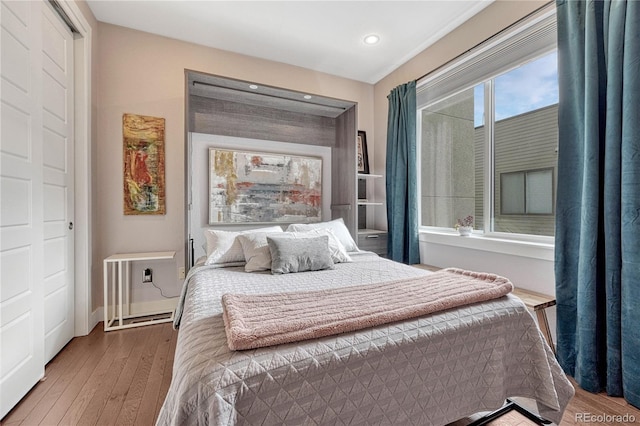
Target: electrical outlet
(147, 275)
(181, 273)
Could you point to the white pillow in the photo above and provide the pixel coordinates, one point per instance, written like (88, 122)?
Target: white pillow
(337, 226)
(256, 250)
(224, 247)
(336, 249)
(290, 255)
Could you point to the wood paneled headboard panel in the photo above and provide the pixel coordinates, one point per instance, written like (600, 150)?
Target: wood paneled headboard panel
(267, 118)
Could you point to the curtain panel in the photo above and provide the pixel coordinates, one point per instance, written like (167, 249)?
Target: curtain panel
(598, 196)
(402, 176)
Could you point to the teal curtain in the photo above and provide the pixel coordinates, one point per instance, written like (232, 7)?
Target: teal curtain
(402, 176)
(598, 197)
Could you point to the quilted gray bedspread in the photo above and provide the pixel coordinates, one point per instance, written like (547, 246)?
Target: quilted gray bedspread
(431, 370)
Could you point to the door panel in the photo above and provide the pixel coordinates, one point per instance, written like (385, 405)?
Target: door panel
(21, 221)
(57, 116)
(36, 186)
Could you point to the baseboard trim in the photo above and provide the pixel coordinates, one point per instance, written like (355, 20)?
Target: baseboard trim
(142, 308)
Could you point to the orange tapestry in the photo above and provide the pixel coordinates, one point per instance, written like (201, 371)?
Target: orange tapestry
(144, 163)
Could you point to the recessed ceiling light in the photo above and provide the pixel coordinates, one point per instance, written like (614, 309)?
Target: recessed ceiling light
(253, 86)
(307, 96)
(371, 39)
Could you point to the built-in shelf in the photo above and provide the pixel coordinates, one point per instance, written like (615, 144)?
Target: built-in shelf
(374, 240)
(362, 190)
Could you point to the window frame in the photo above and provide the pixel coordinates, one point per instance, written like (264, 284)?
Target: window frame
(509, 40)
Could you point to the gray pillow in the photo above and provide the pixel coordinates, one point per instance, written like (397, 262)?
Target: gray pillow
(299, 254)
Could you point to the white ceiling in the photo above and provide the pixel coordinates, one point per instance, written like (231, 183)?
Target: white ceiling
(325, 36)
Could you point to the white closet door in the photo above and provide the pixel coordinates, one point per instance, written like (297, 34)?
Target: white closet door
(21, 217)
(57, 140)
(36, 187)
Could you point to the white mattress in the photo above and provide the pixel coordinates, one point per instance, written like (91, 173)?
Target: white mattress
(430, 370)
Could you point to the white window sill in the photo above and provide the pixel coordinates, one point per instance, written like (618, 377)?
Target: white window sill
(478, 241)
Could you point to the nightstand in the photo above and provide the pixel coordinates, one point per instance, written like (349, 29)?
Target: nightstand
(373, 240)
(117, 289)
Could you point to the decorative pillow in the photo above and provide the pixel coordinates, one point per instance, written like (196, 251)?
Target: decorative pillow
(299, 254)
(337, 226)
(336, 249)
(224, 247)
(256, 251)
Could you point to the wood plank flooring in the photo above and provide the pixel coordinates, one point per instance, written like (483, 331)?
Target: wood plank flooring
(122, 377)
(113, 378)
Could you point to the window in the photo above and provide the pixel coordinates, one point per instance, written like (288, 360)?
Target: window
(526, 193)
(488, 134)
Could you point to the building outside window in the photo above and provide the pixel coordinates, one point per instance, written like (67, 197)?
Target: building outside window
(488, 140)
(529, 192)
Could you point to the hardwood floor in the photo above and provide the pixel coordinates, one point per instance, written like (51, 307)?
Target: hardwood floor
(113, 378)
(121, 378)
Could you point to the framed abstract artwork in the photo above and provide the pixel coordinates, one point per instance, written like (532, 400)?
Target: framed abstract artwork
(261, 187)
(143, 165)
(363, 154)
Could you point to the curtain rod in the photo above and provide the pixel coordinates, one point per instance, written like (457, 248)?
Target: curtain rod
(518, 22)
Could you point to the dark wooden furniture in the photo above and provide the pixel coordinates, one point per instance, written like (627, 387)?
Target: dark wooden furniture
(373, 240)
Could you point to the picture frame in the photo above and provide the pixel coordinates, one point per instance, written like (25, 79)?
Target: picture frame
(363, 154)
(251, 187)
(143, 165)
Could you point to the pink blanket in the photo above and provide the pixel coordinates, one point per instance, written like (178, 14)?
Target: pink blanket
(253, 321)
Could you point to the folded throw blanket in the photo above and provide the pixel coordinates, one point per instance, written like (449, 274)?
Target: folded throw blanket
(253, 321)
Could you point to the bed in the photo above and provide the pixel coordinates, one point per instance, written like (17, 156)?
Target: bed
(430, 370)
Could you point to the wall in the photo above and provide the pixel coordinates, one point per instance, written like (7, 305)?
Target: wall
(142, 73)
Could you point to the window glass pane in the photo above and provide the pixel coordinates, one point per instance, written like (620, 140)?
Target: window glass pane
(529, 87)
(540, 192)
(478, 148)
(525, 139)
(451, 160)
(478, 105)
(512, 193)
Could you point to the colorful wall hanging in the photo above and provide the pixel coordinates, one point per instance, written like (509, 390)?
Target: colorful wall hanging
(144, 163)
(259, 187)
